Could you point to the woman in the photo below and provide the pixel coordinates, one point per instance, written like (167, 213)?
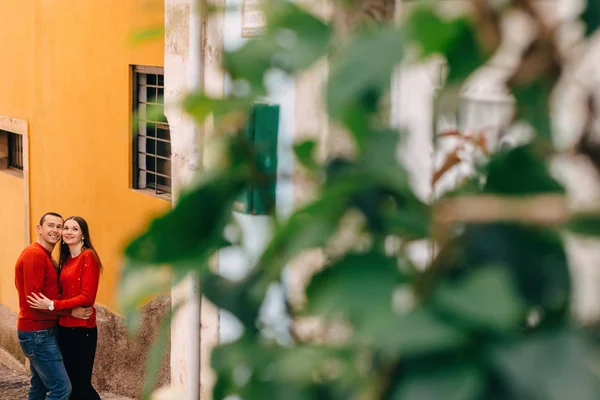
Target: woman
(80, 269)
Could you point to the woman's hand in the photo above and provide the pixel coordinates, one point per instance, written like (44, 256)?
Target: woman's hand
(82, 312)
(40, 302)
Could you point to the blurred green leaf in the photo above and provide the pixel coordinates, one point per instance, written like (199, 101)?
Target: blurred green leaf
(360, 288)
(591, 16)
(533, 104)
(390, 206)
(433, 34)
(187, 236)
(376, 168)
(407, 333)
(535, 257)
(305, 154)
(265, 371)
(409, 223)
(235, 297)
(381, 149)
(200, 106)
(449, 382)
(469, 186)
(305, 362)
(157, 351)
(139, 285)
(465, 55)
(486, 298)
(298, 363)
(585, 224)
(149, 112)
(293, 41)
(520, 171)
(309, 227)
(244, 356)
(352, 178)
(313, 225)
(351, 94)
(378, 186)
(553, 365)
(144, 35)
(302, 38)
(353, 286)
(455, 39)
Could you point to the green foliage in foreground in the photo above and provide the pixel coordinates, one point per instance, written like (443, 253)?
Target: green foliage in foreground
(488, 318)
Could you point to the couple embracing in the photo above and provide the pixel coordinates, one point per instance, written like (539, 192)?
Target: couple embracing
(56, 327)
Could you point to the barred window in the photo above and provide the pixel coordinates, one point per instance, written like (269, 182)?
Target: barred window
(15, 151)
(11, 151)
(152, 137)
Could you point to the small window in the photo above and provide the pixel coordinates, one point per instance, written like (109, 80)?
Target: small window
(152, 136)
(11, 151)
(15, 151)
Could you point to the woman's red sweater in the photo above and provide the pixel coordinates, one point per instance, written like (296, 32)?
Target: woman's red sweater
(79, 278)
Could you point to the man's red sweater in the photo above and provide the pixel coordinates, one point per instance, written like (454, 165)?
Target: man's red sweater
(35, 273)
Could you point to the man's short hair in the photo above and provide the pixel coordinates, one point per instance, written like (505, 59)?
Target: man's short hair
(53, 214)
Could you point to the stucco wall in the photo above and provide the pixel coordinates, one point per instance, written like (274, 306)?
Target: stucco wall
(11, 213)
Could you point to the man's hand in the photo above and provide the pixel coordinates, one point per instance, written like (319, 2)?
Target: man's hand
(82, 312)
(40, 302)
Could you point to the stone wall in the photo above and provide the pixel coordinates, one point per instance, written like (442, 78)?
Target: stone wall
(120, 359)
(8, 335)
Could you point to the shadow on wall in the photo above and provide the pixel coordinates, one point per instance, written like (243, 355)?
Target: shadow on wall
(120, 359)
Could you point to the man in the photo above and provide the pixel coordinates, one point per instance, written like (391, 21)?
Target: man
(35, 272)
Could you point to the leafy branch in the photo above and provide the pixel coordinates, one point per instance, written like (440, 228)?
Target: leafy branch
(482, 317)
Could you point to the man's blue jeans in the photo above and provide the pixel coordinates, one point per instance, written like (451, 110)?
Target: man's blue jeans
(48, 374)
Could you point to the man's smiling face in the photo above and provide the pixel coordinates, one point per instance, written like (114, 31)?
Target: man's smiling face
(51, 230)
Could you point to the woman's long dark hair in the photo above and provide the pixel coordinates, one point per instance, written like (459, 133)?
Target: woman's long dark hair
(87, 243)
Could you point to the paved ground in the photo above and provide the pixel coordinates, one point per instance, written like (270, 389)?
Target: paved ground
(14, 385)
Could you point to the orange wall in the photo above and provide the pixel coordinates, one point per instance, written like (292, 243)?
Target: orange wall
(11, 215)
(70, 80)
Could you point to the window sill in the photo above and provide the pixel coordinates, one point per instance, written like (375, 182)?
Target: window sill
(152, 193)
(13, 172)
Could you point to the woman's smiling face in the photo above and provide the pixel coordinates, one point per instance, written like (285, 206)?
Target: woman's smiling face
(72, 232)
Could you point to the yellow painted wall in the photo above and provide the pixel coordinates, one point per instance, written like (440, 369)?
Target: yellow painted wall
(16, 66)
(11, 215)
(69, 77)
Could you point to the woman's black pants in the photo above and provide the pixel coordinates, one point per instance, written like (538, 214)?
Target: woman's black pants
(78, 348)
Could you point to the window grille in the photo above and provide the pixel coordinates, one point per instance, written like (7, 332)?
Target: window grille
(11, 151)
(152, 138)
(15, 151)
